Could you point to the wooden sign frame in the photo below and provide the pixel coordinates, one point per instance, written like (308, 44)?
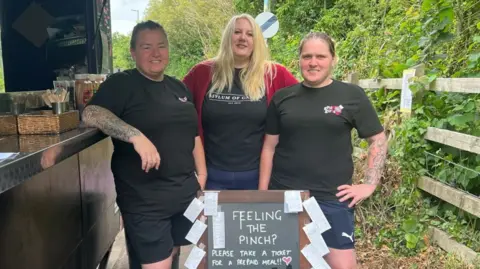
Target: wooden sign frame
(270, 196)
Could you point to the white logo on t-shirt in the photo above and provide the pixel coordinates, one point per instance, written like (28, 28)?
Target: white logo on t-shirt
(229, 98)
(337, 110)
(182, 99)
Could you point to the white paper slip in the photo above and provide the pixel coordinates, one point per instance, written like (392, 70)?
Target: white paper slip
(211, 203)
(196, 232)
(315, 260)
(316, 238)
(324, 264)
(219, 230)
(193, 210)
(194, 258)
(316, 214)
(293, 201)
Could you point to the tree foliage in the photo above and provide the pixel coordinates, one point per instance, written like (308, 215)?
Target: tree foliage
(379, 39)
(121, 52)
(194, 28)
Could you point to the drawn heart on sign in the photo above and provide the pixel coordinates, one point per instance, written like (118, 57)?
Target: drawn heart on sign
(287, 260)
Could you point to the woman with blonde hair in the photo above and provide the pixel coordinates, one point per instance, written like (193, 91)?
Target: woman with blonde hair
(231, 93)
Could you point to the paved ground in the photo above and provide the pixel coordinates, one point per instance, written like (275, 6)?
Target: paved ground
(119, 259)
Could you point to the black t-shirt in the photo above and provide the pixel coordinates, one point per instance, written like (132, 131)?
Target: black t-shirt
(314, 125)
(233, 128)
(164, 113)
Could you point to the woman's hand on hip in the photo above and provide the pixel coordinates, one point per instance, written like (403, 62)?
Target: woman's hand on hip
(147, 151)
(357, 193)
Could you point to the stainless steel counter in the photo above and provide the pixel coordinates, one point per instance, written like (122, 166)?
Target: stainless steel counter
(29, 155)
(57, 200)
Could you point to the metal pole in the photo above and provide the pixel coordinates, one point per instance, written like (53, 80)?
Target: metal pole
(138, 14)
(266, 8)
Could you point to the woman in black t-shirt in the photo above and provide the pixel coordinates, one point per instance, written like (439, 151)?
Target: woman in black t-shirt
(153, 124)
(231, 94)
(308, 144)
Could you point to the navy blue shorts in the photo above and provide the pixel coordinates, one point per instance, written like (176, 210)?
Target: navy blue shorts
(341, 219)
(225, 180)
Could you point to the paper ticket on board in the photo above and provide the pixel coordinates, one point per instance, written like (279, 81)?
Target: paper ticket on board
(211, 204)
(219, 230)
(194, 258)
(316, 239)
(293, 201)
(194, 209)
(315, 260)
(196, 232)
(316, 214)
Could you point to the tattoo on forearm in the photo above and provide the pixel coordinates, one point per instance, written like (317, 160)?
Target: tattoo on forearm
(109, 123)
(377, 154)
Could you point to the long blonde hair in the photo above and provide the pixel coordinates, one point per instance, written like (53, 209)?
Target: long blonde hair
(253, 76)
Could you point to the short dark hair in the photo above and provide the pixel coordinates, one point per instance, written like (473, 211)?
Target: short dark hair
(145, 25)
(321, 36)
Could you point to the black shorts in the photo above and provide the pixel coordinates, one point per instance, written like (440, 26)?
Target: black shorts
(150, 239)
(341, 219)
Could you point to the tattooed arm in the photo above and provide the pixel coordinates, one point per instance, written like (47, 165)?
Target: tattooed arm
(377, 154)
(110, 124)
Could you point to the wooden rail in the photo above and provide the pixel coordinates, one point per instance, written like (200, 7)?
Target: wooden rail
(443, 240)
(457, 140)
(456, 85)
(465, 201)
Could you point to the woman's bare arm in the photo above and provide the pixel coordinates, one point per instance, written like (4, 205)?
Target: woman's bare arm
(200, 163)
(266, 161)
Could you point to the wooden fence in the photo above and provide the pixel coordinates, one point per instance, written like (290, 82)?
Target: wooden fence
(463, 200)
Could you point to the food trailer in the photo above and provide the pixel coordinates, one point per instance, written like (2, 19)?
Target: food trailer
(57, 194)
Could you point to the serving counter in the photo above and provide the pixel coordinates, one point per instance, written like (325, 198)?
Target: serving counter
(57, 201)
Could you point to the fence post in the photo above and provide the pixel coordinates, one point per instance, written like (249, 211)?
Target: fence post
(406, 101)
(353, 78)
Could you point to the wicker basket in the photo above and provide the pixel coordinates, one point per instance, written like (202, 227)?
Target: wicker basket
(8, 124)
(45, 122)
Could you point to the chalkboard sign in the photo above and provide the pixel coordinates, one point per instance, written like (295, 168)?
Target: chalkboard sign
(258, 234)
